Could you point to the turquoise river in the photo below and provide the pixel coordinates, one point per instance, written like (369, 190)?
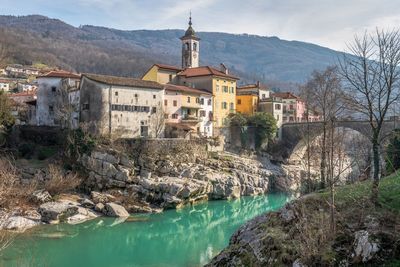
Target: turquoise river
(186, 237)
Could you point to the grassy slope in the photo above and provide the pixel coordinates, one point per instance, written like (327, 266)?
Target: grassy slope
(308, 236)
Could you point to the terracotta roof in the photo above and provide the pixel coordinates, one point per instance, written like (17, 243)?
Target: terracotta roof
(252, 86)
(181, 88)
(29, 93)
(123, 81)
(168, 67)
(5, 81)
(286, 95)
(246, 93)
(205, 71)
(60, 74)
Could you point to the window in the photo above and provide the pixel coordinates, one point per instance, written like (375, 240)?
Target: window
(197, 100)
(231, 106)
(187, 46)
(225, 88)
(202, 113)
(174, 116)
(136, 95)
(153, 110)
(85, 106)
(202, 101)
(239, 102)
(209, 102)
(195, 46)
(166, 116)
(53, 89)
(291, 107)
(263, 96)
(224, 105)
(188, 99)
(51, 109)
(144, 131)
(154, 96)
(170, 77)
(278, 106)
(116, 93)
(175, 103)
(165, 102)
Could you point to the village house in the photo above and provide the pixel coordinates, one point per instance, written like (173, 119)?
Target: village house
(26, 87)
(53, 107)
(23, 107)
(218, 82)
(4, 85)
(261, 90)
(188, 109)
(121, 107)
(17, 70)
(247, 102)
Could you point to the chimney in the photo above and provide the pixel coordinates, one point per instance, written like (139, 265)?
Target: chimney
(224, 69)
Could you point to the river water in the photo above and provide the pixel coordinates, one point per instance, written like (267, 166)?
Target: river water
(187, 237)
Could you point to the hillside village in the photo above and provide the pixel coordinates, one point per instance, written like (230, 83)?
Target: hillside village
(167, 101)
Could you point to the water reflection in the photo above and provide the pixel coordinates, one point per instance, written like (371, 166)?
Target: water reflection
(186, 237)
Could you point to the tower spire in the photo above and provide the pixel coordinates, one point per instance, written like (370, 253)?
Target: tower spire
(190, 18)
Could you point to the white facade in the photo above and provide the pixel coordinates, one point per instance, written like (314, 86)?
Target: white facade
(4, 86)
(121, 111)
(206, 112)
(52, 100)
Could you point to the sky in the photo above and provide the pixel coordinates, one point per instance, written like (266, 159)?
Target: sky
(330, 23)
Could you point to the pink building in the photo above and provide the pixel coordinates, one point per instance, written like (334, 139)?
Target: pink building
(294, 109)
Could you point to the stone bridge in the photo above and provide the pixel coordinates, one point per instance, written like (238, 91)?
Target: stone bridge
(293, 133)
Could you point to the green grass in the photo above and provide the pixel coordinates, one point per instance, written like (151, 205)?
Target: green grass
(389, 192)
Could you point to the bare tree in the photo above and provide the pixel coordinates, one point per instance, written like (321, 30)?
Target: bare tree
(4, 47)
(158, 121)
(324, 92)
(372, 76)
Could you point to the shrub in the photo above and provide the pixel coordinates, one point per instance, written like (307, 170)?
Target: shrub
(393, 152)
(60, 182)
(26, 150)
(45, 152)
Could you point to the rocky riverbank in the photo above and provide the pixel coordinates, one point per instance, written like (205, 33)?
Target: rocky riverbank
(300, 234)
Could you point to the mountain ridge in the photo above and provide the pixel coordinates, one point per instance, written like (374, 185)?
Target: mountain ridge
(104, 50)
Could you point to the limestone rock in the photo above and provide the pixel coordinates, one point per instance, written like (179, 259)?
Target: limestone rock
(99, 207)
(41, 196)
(101, 197)
(57, 211)
(126, 162)
(364, 248)
(82, 215)
(86, 203)
(18, 223)
(114, 210)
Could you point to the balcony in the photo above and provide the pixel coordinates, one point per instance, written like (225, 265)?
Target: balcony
(193, 119)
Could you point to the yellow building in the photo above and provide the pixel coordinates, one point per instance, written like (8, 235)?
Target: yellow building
(247, 102)
(218, 82)
(162, 73)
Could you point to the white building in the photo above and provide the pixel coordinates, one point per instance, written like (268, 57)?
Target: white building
(121, 107)
(4, 85)
(53, 107)
(263, 91)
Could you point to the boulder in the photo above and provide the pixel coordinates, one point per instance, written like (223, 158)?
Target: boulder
(41, 196)
(364, 248)
(126, 162)
(101, 197)
(57, 211)
(18, 223)
(105, 157)
(122, 174)
(99, 207)
(86, 203)
(114, 210)
(82, 215)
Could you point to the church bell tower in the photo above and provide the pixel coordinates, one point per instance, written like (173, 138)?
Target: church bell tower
(190, 47)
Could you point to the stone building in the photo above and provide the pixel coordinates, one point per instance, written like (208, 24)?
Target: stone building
(121, 107)
(53, 107)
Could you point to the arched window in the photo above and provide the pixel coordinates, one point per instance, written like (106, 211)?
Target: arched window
(187, 46)
(194, 46)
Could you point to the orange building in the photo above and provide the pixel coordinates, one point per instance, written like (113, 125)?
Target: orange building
(246, 102)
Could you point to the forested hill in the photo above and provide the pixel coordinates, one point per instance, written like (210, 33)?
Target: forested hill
(109, 51)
